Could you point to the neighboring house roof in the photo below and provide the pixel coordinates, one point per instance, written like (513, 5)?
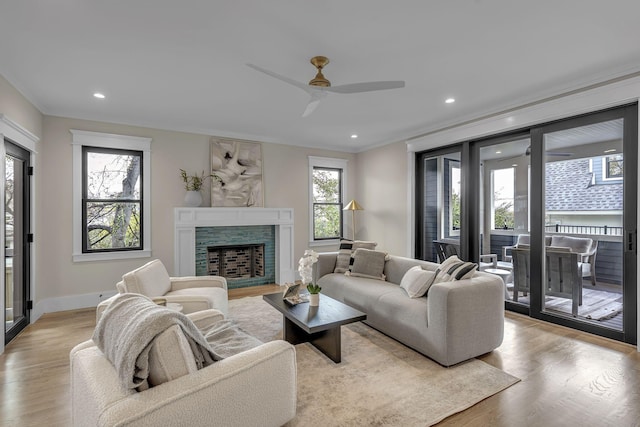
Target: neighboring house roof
(569, 188)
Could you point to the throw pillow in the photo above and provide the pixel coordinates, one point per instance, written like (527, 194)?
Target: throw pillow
(347, 248)
(367, 263)
(455, 269)
(417, 281)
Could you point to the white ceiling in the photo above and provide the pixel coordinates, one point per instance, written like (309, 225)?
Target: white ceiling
(180, 65)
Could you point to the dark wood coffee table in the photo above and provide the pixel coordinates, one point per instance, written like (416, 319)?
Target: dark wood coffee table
(319, 325)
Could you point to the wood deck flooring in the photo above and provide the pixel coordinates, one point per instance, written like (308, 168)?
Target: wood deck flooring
(568, 377)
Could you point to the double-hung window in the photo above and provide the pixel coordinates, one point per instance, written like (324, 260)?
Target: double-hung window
(614, 166)
(111, 196)
(327, 184)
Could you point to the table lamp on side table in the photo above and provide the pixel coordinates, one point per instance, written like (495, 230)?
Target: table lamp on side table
(353, 206)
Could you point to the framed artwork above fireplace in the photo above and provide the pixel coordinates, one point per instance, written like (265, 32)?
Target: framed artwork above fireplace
(238, 166)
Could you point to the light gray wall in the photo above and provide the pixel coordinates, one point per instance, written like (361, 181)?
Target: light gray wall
(17, 108)
(381, 177)
(285, 185)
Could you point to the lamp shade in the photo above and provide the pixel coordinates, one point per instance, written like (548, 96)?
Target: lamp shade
(353, 206)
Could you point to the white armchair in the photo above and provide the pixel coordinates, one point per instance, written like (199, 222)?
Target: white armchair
(194, 293)
(256, 387)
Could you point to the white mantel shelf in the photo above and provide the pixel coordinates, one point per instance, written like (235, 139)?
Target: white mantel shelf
(186, 220)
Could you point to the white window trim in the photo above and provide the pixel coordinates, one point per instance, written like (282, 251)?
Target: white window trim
(122, 142)
(605, 167)
(325, 162)
(452, 232)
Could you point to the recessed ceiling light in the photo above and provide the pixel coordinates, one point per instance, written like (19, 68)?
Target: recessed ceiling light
(498, 152)
(99, 95)
(611, 150)
(514, 165)
(354, 136)
(450, 100)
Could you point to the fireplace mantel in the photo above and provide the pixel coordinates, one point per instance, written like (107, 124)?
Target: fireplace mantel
(186, 220)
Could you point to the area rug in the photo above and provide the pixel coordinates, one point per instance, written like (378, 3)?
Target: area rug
(379, 381)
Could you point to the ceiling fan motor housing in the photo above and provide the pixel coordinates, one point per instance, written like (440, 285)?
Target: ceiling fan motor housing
(319, 80)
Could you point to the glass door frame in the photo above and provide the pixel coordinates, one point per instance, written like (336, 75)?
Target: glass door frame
(630, 149)
(463, 149)
(15, 150)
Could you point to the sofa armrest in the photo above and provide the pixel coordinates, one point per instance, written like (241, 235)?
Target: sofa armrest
(102, 306)
(325, 265)
(206, 318)
(178, 283)
(214, 393)
(469, 315)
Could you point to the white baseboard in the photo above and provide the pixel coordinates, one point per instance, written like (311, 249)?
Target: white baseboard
(72, 302)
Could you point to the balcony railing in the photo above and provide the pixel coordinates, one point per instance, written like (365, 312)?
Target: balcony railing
(584, 229)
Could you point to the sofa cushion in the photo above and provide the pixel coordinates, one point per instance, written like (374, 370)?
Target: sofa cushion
(347, 247)
(152, 280)
(170, 357)
(577, 244)
(454, 268)
(417, 281)
(367, 263)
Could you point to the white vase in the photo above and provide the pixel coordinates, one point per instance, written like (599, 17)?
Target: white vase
(193, 199)
(314, 300)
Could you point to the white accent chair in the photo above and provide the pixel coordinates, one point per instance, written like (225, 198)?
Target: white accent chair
(194, 293)
(256, 387)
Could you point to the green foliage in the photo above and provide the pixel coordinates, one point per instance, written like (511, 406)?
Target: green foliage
(327, 212)
(503, 216)
(455, 211)
(313, 289)
(194, 182)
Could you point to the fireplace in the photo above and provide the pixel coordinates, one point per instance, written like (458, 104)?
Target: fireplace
(193, 223)
(236, 261)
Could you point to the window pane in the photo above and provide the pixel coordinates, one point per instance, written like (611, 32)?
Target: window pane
(113, 176)
(326, 185)
(614, 166)
(503, 191)
(455, 200)
(112, 225)
(326, 221)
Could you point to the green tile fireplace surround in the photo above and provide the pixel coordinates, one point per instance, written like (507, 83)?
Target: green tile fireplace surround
(196, 229)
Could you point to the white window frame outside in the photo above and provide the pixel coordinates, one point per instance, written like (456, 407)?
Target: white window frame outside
(453, 232)
(605, 168)
(121, 142)
(332, 163)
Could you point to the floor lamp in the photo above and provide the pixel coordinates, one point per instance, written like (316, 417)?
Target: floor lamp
(353, 206)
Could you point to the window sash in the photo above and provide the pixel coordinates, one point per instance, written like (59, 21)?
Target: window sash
(85, 202)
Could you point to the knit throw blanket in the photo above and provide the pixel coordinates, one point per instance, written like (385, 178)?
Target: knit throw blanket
(126, 331)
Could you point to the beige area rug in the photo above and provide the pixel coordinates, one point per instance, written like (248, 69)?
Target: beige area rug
(379, 382)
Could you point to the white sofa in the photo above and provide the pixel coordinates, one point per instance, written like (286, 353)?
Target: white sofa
(254, 388)
(456, 321)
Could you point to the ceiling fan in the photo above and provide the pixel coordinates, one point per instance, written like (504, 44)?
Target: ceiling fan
(319, 87)
(527, 153)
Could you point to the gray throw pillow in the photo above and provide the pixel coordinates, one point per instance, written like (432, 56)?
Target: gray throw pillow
(416, 281)
(455, 269)
(347, 248)
(367, 263)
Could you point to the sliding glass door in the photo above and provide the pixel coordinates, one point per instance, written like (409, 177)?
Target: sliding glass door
(439, 218)
(588, 171)
(551, 210)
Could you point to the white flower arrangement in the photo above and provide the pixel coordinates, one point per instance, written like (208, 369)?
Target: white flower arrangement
(305, 266)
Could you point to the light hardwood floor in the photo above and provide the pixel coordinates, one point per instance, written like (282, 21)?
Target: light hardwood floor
(569, 378)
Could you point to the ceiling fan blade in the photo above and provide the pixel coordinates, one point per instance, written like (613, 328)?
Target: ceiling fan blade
(365, 86)
(280, 77)
(316, 97)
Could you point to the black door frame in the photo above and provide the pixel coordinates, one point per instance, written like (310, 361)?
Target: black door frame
(15, 150)
(470, 211)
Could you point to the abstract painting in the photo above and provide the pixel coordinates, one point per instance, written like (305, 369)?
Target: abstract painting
(237, 164)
